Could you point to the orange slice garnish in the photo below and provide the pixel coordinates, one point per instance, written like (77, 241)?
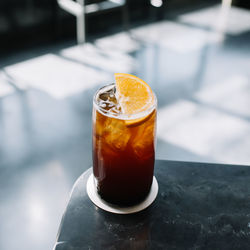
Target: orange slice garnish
(134, 95)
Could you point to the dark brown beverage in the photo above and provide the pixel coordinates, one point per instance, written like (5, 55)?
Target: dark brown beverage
(123, 150)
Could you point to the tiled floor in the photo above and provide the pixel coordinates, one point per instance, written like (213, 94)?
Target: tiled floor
(202, 80)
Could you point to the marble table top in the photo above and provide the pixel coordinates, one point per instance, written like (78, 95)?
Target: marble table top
(199, 206)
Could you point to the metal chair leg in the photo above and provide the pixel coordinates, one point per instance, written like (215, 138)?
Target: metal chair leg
(78, 10)
(80, 24)
(125, 17)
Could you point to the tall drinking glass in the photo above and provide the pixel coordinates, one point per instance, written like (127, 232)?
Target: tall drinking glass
(123, 149)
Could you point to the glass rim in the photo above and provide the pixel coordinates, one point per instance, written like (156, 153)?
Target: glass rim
(137, 115)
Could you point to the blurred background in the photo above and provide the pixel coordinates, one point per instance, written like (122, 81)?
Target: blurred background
(54, 54)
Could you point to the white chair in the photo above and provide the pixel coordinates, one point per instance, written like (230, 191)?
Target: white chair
(79, 9)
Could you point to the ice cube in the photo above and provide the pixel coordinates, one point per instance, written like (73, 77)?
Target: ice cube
(143, 143)
(117, 134)
(103, 96)
(102, 104)
(107, 100)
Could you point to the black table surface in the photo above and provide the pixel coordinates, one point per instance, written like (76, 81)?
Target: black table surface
(199, 206)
